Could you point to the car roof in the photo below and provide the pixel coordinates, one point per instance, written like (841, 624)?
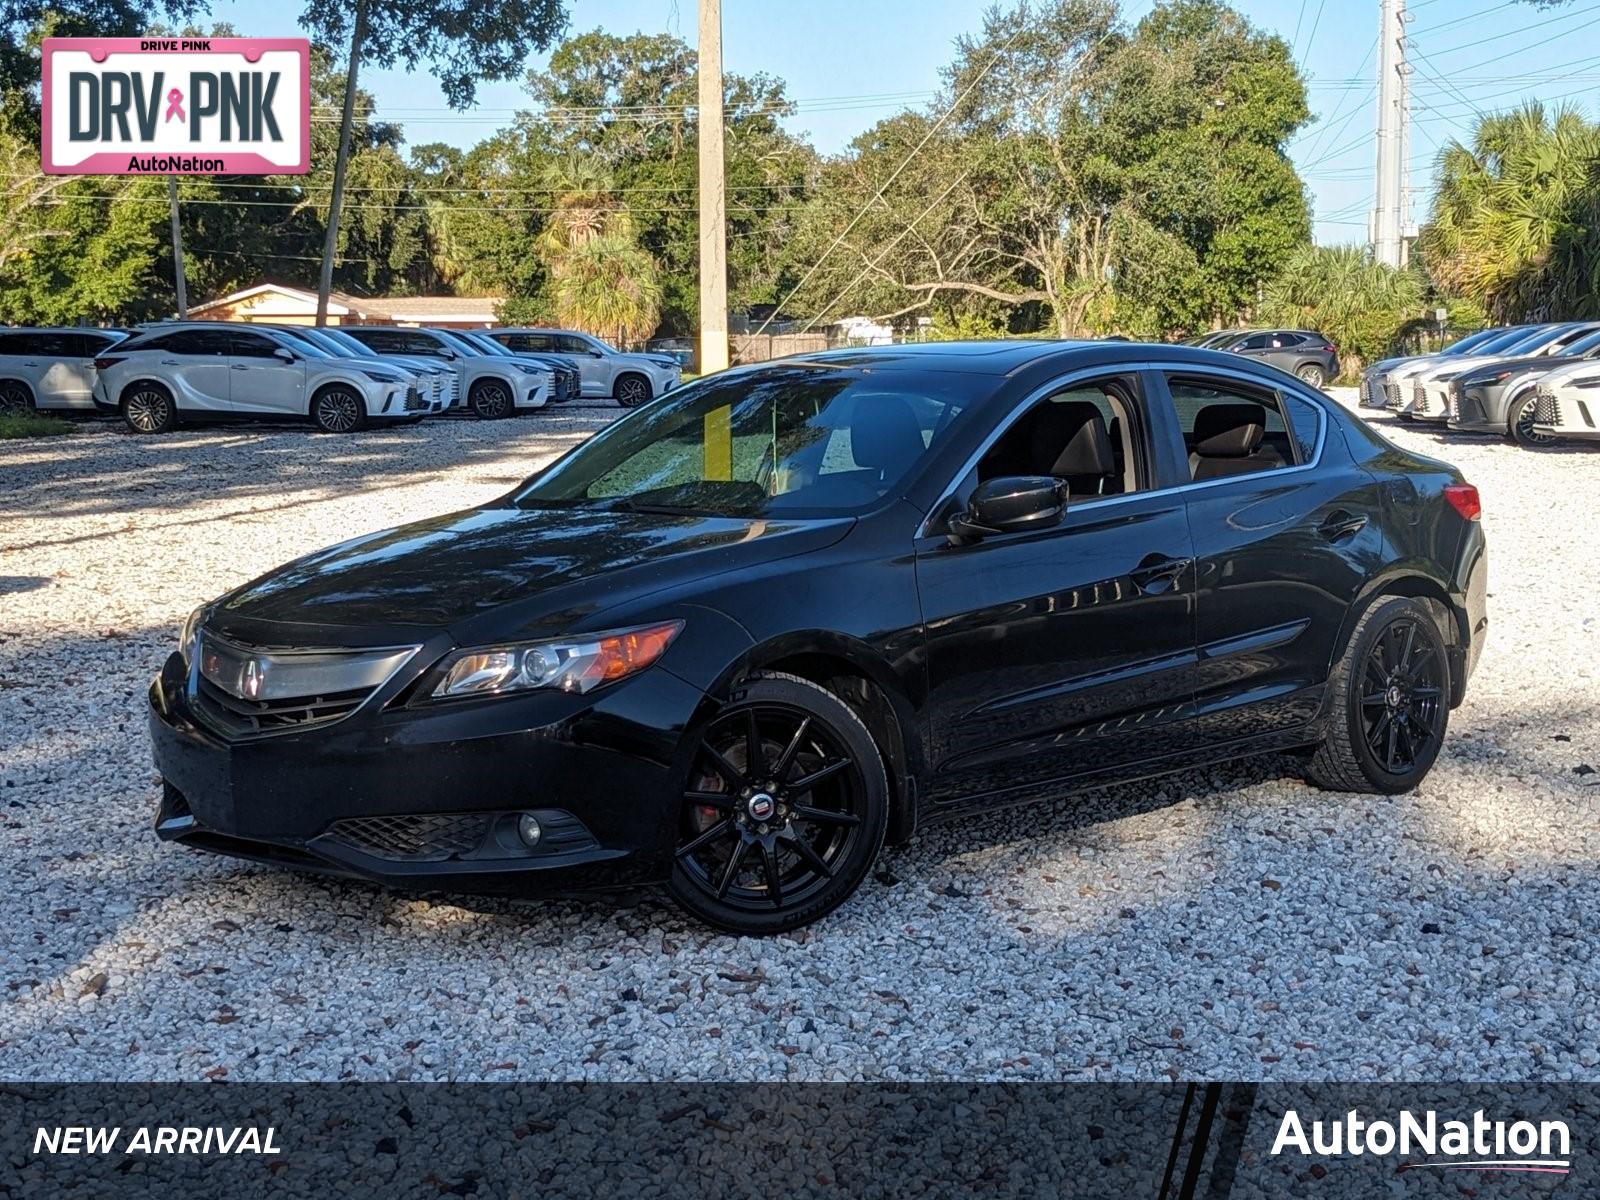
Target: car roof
(1006, 357)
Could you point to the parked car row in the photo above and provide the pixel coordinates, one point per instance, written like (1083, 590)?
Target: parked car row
(341, 378)
(1533, 383)
(1304, 353)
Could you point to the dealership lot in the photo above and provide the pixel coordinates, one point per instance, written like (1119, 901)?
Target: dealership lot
(1229, 923)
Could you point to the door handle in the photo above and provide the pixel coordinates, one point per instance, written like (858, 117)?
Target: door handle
(1340, 524)
(238, 367)
(169, 362)
(1157, 574)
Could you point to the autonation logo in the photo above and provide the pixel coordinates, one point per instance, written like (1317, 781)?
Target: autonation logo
(1481, 1144)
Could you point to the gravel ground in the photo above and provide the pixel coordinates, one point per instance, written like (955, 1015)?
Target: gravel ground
(1228, 923)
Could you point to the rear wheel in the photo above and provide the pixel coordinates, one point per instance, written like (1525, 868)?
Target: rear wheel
(1391, 705)
(631, 390)
(149, 408)
(784, 809)
(1312, 374)
(15, 398)
(491, 400)
(1519, 423)
(338, 409)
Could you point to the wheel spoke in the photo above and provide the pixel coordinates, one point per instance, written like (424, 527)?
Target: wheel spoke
(755, 761)
(1375, 700)
(732, 869)
(1394, 737)
(1427, 692)
(722, 766)
(1405, 651)
(769, 860)
(705, 839)
(825, 816)
(806, 782)
(1382, 723)
(786, 760)
(812, 859)
(719, 800)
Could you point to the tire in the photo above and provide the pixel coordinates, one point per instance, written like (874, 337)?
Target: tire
(631, 390)
(1384, 741)
(1519, 424)
(767, 851)
(148, 407)
(16, 399)
(491, 400)
(338, 409)
(1312, 374)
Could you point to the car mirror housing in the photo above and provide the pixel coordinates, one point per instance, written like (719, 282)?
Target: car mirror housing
(1009, 504)
(285, 354)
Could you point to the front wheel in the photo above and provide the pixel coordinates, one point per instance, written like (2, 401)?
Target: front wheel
(338, 410)
(1312, 374)
(1391, 703)
(491, 400)
(15, 399)
(784, 809)
(1519, 425)
(631, 390)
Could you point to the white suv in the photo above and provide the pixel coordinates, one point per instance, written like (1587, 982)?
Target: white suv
(490, 386)
(630, 378)
(222, 371)
(50, 368)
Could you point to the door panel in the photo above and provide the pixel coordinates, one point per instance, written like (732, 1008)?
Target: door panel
(1062, 652)
(1281, 553)
(197, 361)
(263, 383)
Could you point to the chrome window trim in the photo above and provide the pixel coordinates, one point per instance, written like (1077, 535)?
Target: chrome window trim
(925, 529)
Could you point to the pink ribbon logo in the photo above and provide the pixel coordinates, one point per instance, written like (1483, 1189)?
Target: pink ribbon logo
(175, 105)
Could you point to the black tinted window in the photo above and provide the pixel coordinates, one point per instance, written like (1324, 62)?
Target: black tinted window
(1305, 424)
(1230, 429)
(197, 341)
(253, 345)
(529, 341)
(414, 342)
(384, 341)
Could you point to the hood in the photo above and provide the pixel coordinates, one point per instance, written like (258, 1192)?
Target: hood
(1489, 368)
(655, 360)
(554, 566)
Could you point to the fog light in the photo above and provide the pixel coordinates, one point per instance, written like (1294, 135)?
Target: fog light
(528, 830)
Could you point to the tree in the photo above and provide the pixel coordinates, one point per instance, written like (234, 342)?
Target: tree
(23, 23)
(464, 43)
(1515, 222)
(1342, 291)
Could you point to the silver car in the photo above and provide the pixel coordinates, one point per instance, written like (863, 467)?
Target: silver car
(490, 386)
(1430, 387)
(1378, 389)
(221, 371)
(50, 368)
(1499, 397)
(435, 379)
(631, 379)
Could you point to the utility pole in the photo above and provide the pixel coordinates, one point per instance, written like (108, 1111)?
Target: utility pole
(177, 249)
(1389, 224)
(330, 245)
(713, 197)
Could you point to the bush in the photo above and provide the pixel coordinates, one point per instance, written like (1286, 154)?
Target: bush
(28, 426)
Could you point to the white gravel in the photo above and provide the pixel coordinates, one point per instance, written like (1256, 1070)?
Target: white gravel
(1228, 923)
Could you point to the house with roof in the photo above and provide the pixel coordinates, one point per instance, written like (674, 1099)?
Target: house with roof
(281, 304)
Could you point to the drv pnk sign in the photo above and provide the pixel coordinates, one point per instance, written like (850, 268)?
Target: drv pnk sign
(177, 106)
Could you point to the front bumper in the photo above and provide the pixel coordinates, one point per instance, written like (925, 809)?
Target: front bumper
(529, 392)
(1568, 415)
(1480, 408)
(429, 797)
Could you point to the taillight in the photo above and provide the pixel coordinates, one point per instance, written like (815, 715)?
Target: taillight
(1330, 349)
(102, 364)
(1463, 498)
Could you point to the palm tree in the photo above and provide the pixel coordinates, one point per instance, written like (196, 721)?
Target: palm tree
(1344, 292)
(1513, 220)
(602, 280)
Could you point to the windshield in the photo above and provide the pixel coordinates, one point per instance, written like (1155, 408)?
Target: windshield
(484, 344)
(1529, 343)
(1472, 341)
(798, 440)
(1584, 345)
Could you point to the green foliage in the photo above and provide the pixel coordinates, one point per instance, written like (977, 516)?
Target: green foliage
(964, 326)
(1515, 225)
(1364, 306)
(31, 426)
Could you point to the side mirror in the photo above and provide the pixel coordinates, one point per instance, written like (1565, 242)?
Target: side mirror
(1011, 503)
(285, 354)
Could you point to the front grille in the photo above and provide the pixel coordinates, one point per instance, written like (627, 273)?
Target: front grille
(423, 837)
(414, 400)
(1546, 410)
(1391, 395)
(1455, 402)
(237, 718)
(1419, 396)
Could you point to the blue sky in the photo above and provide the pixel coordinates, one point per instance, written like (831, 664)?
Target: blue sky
(851, 63)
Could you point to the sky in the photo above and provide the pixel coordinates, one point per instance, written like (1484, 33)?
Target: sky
(850, 63)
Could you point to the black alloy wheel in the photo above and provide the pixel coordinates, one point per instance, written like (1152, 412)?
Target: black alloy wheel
(632, 391)
(1393, 684)
(338, 410)
(784, 809)
(491, 400)
(15, 399)
(148, 408)
(1520, 423)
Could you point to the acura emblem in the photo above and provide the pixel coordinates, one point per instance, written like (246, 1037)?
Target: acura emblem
(250, 679)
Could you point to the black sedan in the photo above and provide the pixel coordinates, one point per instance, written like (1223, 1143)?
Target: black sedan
(747, 634)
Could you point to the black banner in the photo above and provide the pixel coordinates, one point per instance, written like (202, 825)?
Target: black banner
(1166, 1142)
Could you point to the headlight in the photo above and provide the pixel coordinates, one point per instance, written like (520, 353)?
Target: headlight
(383, 377)
(190, 631)
(527, 370)
(578, 664)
